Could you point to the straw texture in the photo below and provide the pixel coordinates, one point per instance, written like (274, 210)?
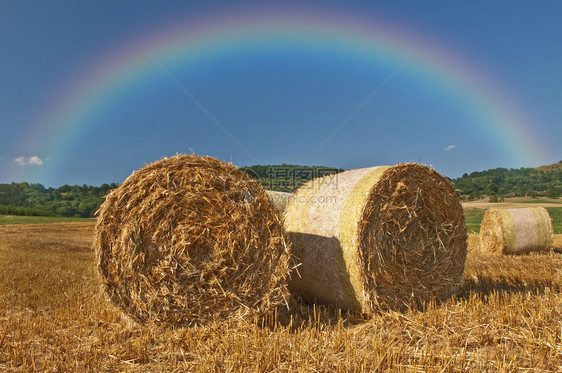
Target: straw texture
(377, 238)
(189, 239)
(516, 231)
(279, 199)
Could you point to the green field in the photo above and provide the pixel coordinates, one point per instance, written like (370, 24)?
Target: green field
(556, 216)
(473, 218)
(12, 219)
(545, 200)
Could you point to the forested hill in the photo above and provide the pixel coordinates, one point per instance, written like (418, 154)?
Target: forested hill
(83, 201)
(544, 180)
(35, 199)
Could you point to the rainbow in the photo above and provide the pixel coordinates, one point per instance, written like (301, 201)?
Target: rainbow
(72, 109)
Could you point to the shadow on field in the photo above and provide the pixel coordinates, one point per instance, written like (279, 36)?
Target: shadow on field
(303, 315)
(502, 286)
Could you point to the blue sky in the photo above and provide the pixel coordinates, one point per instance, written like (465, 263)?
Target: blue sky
(282, 99)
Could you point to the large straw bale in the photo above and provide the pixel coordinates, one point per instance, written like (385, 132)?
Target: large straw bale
(377, 238)
(189, 239)
(516, 231)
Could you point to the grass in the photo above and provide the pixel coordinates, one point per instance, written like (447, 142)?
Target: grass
(473, 218)
(556, 216)
(506, 317)
(13, 219)
(541, 200)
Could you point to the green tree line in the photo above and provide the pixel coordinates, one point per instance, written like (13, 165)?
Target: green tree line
(83, 201)
(37, 200)
(512, 182)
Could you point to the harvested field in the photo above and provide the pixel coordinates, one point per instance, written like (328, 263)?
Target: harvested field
(53, 317)
(557, 242)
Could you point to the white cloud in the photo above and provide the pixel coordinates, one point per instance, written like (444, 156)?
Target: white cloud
(449, 147)
(35, 160)
(20, 160)
(29, 161)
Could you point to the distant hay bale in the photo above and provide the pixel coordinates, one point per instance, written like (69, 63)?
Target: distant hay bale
(189, 239)
(279, 199)
(377, 238)
(516, 231)
(473, 242)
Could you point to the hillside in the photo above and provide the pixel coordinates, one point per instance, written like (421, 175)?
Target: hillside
(83, 201)
(550, 168)
(36, 200)
(544, 180)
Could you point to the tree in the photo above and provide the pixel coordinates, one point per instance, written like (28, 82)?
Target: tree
(475, 195)
(492, 189)
(550, 193)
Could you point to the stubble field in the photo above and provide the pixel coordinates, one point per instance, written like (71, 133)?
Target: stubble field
(506, 317)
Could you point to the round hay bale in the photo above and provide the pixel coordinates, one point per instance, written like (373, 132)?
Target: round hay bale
(516, 231)
(187, 240)
(377, 238)
(279, 199)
